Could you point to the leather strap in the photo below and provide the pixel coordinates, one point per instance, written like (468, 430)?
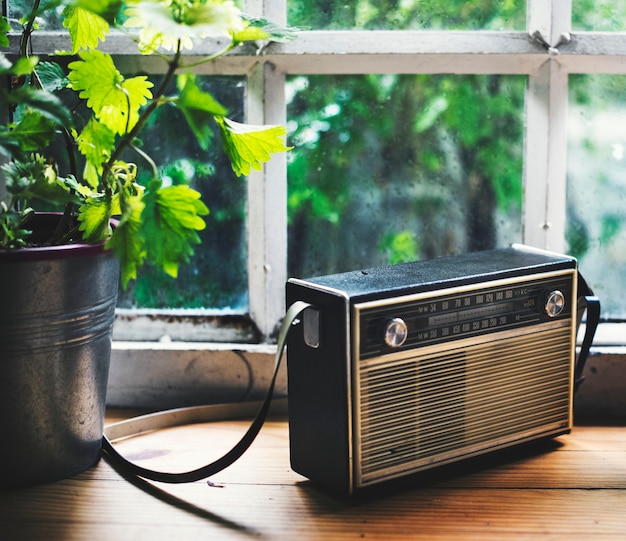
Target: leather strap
(586, 301)
(199, 414)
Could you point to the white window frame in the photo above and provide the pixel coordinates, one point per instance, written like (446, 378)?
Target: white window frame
(156, 373)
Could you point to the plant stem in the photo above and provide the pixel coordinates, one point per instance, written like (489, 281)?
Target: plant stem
(148, 159)
(126, 141)
(28, 30)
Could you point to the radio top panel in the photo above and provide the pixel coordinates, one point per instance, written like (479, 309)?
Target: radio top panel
(444, 272)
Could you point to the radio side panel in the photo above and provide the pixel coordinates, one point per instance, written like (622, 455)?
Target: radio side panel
(319, 387)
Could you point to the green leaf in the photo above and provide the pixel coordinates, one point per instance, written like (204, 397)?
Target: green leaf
(107, 9)
(127, 242)
(96, 142)
(250, 33)
(82, 191)
(172, 216)
(52, 76)
(199, 108)
(114, 100)
(8, 145)
(193, 97)
(86, 28)
(5, 27)
(13, 227)
(34, 131)
(95, 219)
(250, 146)
(45, 103)
(34, 178)
(24, 65)
(266, 30)
(90, 175)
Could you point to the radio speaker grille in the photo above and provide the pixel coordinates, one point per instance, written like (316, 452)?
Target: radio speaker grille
(456, 403)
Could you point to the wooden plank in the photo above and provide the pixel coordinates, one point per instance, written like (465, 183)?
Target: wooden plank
(573, 487)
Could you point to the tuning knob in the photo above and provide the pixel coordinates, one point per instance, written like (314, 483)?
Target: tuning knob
(555, 303)
(396, 332)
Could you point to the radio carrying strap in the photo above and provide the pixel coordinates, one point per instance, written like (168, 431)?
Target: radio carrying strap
(586, 301)
(173, 417)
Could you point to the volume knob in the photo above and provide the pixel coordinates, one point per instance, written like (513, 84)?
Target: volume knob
(555, 303)
(396, 332)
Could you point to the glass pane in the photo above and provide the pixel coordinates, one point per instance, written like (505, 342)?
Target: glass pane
(397, 168)
(47, 20)
(408, 14)
(596, 202)
(599, 15)
(216, 277)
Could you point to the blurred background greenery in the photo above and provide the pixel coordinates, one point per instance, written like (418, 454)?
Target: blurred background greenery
(391, 168)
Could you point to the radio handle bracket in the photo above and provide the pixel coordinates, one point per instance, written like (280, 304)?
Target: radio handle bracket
(589, 302)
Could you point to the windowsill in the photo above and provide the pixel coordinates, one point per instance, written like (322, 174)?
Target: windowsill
(169, 373)
(162, 375)
(609, 336)
(183, 326)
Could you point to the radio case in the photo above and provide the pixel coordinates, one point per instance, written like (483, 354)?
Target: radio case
(400, 369)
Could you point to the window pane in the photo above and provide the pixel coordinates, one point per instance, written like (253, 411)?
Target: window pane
(599, 15)
(408, 14)
(396, 168)
(216, 277)
(47, 20)
(596, 202)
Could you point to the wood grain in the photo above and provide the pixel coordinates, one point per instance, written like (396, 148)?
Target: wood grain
(572, 487)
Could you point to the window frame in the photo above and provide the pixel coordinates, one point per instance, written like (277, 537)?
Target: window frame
(546, 52)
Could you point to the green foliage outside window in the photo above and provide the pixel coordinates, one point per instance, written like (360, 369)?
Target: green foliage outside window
(391, 168)
(387, 168)
(409, 14)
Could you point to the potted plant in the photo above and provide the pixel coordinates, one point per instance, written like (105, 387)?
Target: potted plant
(59, 272)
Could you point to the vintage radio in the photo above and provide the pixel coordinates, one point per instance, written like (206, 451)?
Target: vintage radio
(400, 369)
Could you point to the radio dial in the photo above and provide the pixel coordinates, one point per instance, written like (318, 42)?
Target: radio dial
(396, 332)
(555, 303)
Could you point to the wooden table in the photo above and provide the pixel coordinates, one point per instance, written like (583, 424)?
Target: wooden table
(573, 487)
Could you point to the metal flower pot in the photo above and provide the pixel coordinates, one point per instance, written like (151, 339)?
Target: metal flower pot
(56, 316)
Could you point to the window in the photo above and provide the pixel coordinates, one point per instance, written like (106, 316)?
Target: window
(394, 168)
(536, 83)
